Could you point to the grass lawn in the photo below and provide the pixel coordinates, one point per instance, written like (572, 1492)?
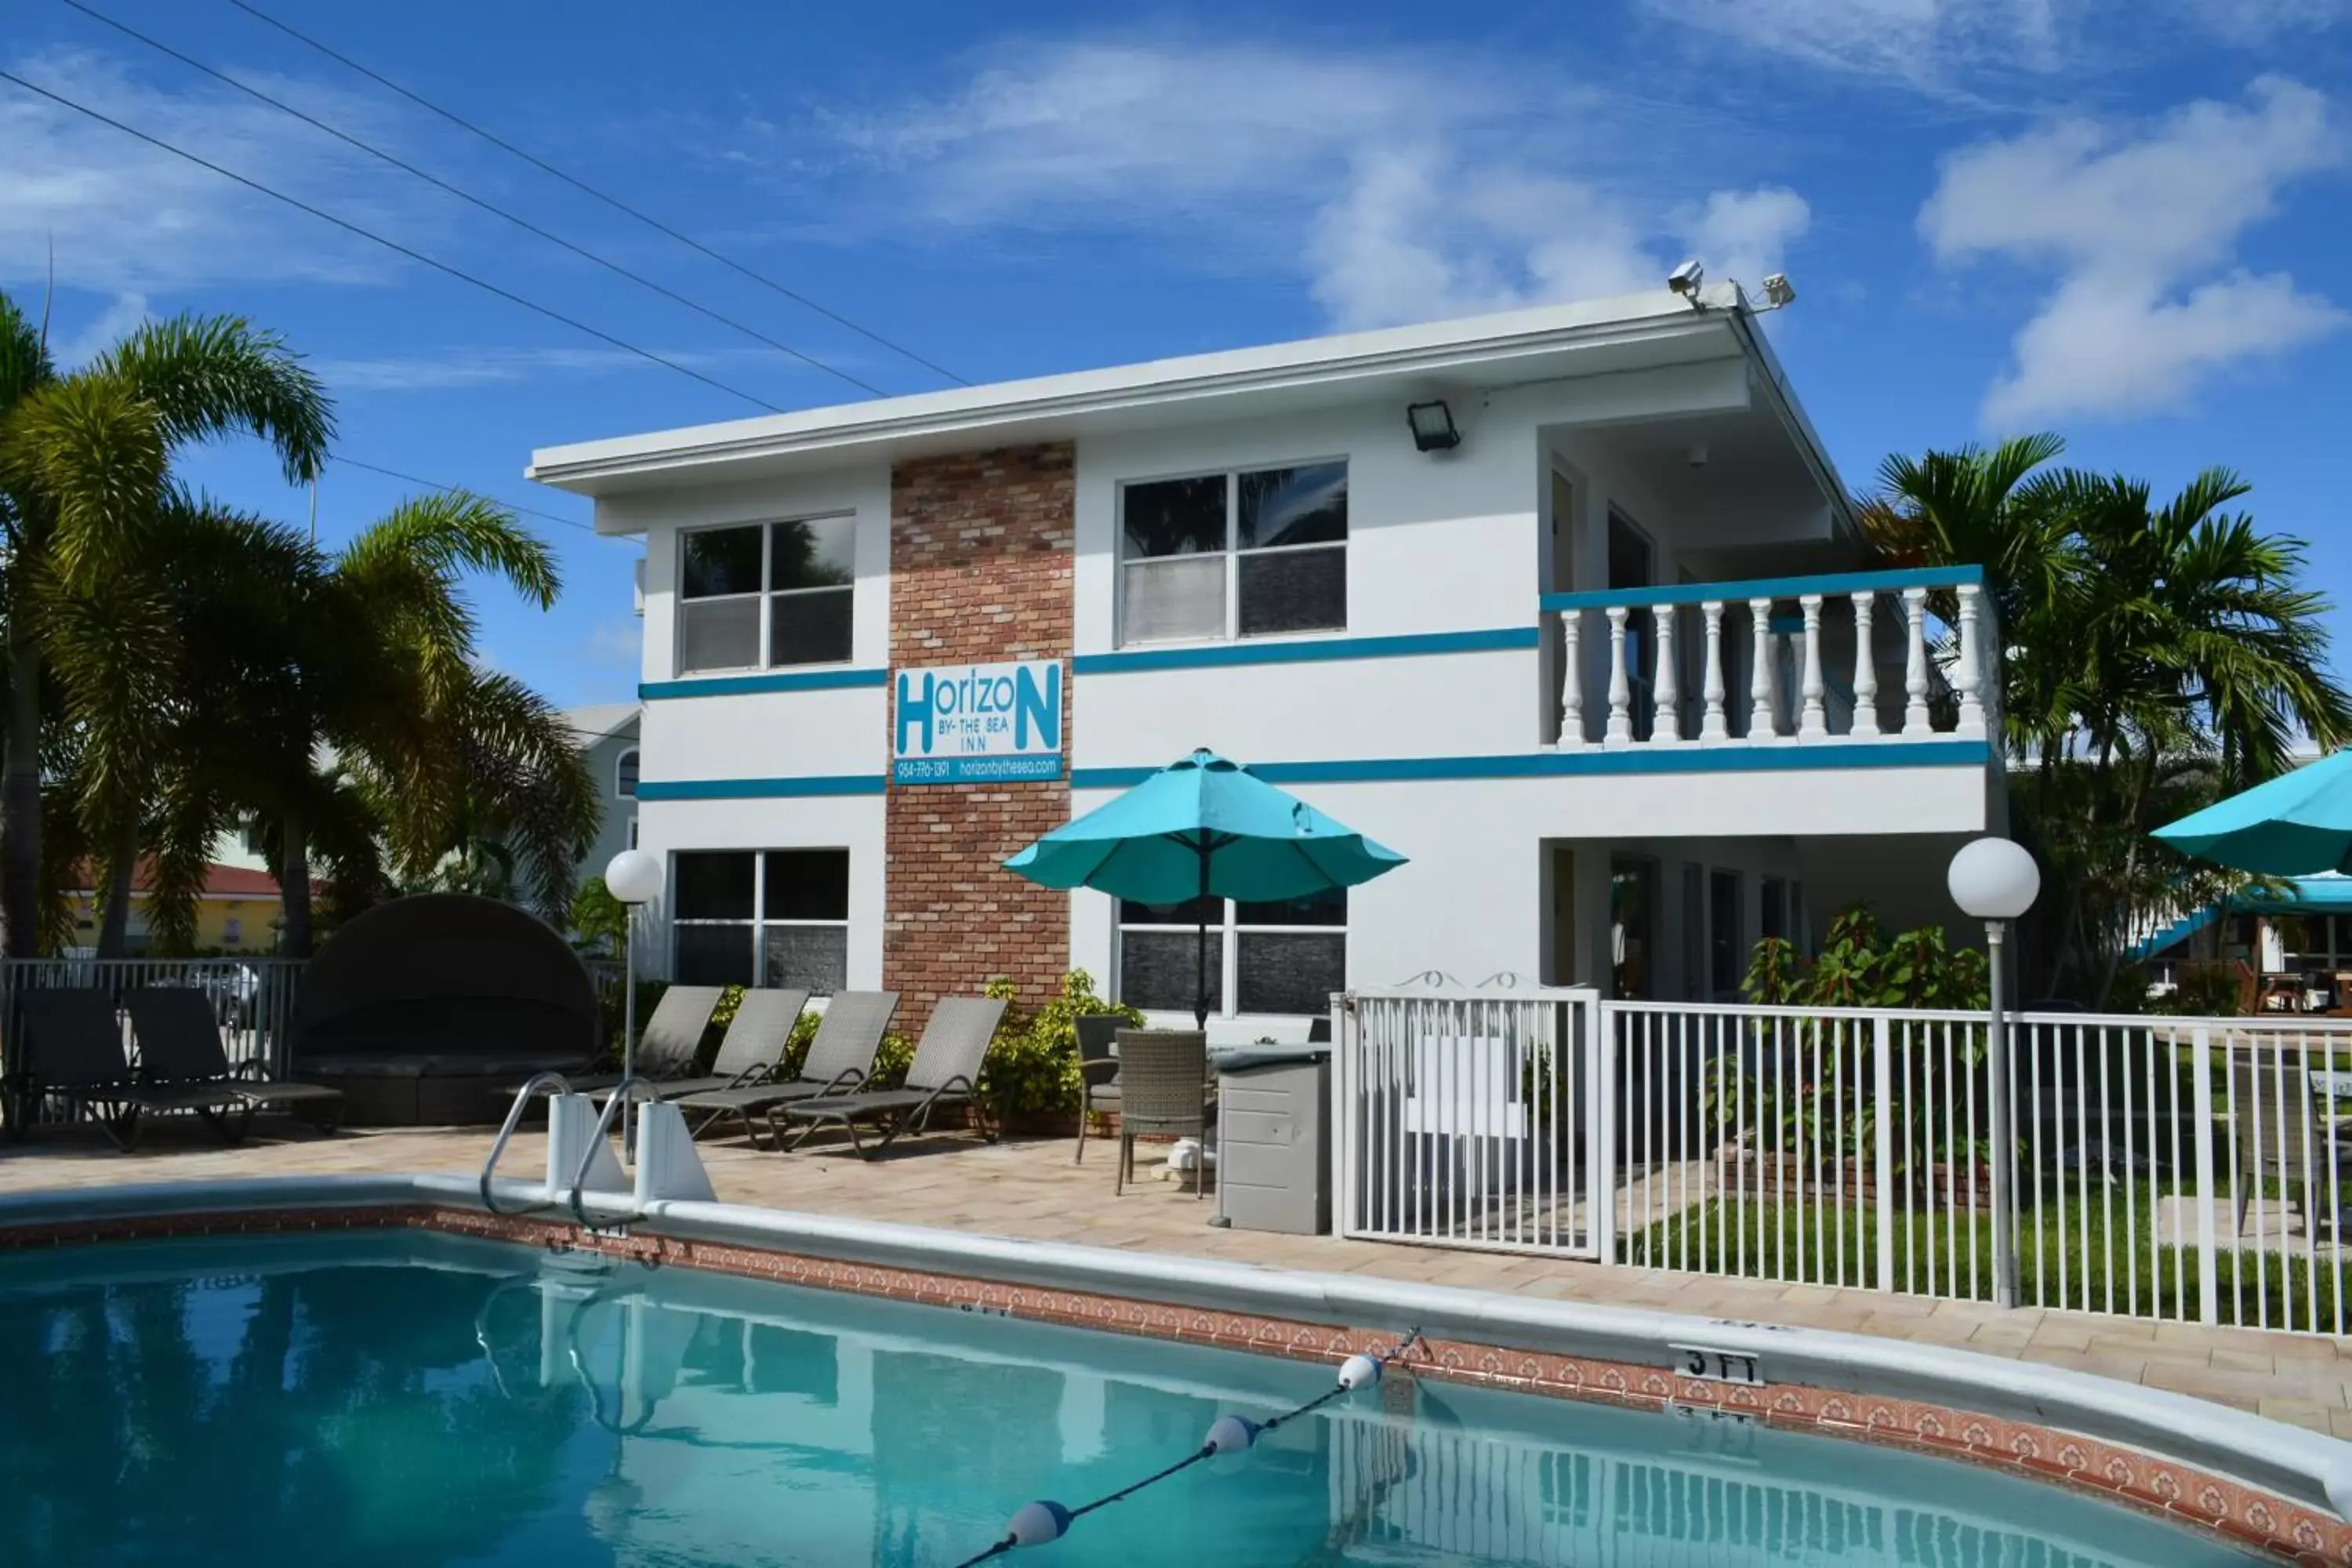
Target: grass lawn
(2097, 1260)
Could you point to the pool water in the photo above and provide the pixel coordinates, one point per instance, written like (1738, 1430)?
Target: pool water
(416, 1400)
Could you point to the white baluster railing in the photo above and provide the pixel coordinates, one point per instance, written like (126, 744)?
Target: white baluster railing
(1620, 691)
(1865, 668)
(1760, 722)
(1948, 668)
(1666, 726)
(1914, 662)
(1812, 724)
(1712, 728)
(1967, 678)
(1571, 684)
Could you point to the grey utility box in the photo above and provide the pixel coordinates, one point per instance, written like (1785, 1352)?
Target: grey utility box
(1272, 1169)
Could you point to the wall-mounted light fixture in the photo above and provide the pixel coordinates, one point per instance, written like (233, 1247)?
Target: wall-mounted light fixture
(1432, 426)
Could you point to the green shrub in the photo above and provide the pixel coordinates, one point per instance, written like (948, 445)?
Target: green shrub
(1861, 967)
(1033, 1067)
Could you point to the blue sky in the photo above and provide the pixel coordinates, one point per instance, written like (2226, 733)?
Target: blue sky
(2123, 222)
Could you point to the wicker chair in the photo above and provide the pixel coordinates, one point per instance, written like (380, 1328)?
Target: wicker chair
(1163, 1082)
(1098, 1071)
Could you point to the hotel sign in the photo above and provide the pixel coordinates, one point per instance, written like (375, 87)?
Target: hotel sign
(977, 723)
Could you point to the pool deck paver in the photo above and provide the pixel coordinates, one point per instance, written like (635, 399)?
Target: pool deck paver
(1028, 1188)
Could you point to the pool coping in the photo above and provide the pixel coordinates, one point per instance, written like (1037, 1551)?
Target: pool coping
(2257, 1482)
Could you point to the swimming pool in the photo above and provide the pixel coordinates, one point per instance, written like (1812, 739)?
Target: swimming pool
(405, 1397)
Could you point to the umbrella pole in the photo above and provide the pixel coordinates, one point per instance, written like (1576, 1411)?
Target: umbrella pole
(1200, 950)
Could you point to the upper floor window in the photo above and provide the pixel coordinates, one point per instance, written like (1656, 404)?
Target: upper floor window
(765, 595)
(1253, 553)
(624, 775)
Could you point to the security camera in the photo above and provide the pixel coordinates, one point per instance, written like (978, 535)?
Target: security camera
(1778, 291)
(1685, 279)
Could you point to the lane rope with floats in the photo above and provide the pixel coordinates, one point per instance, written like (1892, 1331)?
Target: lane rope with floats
(1036, 1523)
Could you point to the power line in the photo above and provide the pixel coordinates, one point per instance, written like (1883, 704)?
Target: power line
(391, 245)
(611, 201)
(459, 490)
(464, 195)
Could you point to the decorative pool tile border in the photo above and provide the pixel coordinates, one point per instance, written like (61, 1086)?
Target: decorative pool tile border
(2290, 1531)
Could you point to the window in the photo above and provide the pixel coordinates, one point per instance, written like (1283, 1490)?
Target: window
(633, 833)
(1253, 553)
(766, 595)
(777, 917)
(1722, 932)
(624, 775)
(1773, 916)
(1285, 957)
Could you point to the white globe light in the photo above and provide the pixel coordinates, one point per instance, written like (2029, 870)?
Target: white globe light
(1993, 880)
(634, 877)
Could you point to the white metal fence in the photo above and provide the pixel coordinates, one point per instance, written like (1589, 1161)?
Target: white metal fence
(1466, 1120)
(2170, 1168)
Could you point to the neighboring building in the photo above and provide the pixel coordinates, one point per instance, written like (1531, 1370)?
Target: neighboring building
(607, 734)
(236, 912)
(1256, 552)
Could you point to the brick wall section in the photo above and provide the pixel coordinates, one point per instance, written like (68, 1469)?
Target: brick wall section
(981, 547)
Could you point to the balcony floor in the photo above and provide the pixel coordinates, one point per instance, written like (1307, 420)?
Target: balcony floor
(1029, 1188)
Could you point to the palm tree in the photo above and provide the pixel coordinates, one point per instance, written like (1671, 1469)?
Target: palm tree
(84, 479)
(339, 700)
(2147, 651)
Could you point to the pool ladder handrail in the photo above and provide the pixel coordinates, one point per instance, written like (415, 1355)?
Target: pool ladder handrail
(523, 1098)
(630, 1087)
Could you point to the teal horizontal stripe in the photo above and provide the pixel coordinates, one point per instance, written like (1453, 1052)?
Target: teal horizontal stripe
(1316, 650)
(1596, 760)
(1767, 588)
(760, 789)
(775, 681)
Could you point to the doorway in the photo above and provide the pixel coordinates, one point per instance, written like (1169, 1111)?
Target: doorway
(1561, 956)
(1633, 564)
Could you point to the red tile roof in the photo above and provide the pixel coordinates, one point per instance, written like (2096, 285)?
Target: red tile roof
(220, 882)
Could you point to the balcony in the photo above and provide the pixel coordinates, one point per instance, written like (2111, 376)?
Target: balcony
(1860, 660)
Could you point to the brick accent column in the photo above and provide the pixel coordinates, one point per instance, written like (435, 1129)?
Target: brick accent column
(981, 550)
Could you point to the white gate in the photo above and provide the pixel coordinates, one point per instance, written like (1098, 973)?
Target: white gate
(1472, 1120)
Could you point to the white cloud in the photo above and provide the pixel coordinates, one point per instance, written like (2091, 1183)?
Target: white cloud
(461, 367)
(128, 218)
(2141, 227)
(123, 313)
(617, 642)
(1952, 49)
(1924, 44)
(1401, 186)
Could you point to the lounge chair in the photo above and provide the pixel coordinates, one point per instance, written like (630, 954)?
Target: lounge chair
(667, 1045)
(752, 1049)
(945, 1071)
(840, 1055)
(73, 1049)
(179, 1044)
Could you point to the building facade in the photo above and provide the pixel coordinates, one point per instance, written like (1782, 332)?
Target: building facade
(1590, 636)
(607, 734)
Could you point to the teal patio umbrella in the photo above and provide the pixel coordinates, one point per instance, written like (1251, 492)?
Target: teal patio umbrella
(1204, 828)
(2294, 826)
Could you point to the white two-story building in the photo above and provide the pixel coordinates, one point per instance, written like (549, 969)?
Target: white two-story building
(1566, 604)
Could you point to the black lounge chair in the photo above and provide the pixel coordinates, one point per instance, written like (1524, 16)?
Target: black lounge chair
(179, 1044)
(752, 1049)
(840, 1055)
(73, 1049)
(666, 1045)
(945, 1072)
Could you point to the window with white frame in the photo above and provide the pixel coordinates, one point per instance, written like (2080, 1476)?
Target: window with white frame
(765, 595)
(624, 775)
(772, 916)
(1270, 958)
(1255, 553)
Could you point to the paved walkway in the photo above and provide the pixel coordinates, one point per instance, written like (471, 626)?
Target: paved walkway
(1029, 1188)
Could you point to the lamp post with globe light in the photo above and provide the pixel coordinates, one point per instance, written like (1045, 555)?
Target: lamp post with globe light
(632, 877)
(1995, 881)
